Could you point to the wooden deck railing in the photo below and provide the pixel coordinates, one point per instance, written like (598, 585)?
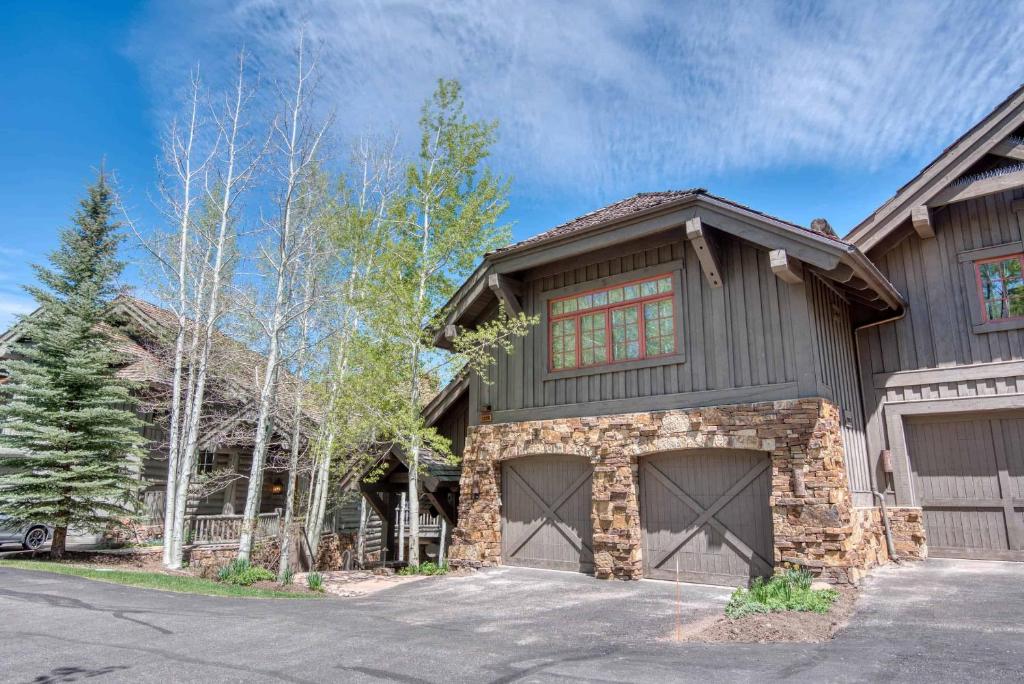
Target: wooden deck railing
(430, 525)
(219, 529)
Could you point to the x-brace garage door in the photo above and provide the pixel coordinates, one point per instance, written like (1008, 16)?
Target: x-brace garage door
(546, 502)
(706, 515)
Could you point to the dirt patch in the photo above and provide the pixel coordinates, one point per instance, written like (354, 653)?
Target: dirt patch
(776, 627)
(354, 583)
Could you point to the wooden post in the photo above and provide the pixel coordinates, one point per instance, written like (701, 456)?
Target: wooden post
(361, 539)
(401, 529)
(440, 547)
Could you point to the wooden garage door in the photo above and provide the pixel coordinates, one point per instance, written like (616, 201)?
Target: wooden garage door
(969, 479)
(546, 503)
(706, 513)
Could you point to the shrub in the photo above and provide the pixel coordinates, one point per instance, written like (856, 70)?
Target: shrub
(315, 581)
(788, 591)
(243, 573)
(288, 576)
(427, 568)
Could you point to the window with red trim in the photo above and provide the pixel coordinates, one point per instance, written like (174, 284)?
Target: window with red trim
(1001, 288)
(627, 322)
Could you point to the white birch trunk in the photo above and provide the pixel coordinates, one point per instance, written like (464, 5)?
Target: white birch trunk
(185, 174)
(300, 147)
(209, 306)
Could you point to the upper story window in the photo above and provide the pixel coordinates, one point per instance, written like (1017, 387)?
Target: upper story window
(1001, 288)
(205, 462)
(622, 323)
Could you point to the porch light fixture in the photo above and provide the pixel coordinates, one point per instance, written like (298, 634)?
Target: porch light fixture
(277, 487)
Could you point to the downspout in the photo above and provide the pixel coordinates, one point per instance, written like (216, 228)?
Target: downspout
(890, 546)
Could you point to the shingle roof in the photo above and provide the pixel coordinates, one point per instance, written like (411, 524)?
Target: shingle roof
(638, 203)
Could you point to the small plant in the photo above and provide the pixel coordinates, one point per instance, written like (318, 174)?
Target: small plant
(315, 581)
(288, 576)
(789, 591)
(428, 568)
(242, 573)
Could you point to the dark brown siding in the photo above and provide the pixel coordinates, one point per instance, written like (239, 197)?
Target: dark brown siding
(737, 341)
(837, 370)
(933, 354)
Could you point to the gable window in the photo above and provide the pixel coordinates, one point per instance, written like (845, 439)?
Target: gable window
(614, 324)
(1001, 288)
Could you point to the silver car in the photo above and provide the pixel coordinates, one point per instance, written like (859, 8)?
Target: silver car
(30, 535)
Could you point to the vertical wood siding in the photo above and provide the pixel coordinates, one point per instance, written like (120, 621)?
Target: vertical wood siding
(833, 338)
(937, 332)
(737, 336)
(453, 425)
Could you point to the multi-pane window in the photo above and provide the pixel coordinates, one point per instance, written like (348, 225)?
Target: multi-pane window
(205, 462)
(1001, 286)
(622, 323)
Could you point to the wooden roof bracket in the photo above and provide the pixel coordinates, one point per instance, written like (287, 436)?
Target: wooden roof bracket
(921, 218)
(786, 268)
(506, 289)
(705, 246)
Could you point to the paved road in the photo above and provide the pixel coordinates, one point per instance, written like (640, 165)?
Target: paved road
(941, 621)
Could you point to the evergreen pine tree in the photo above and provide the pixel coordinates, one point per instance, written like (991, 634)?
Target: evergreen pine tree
(63, 409)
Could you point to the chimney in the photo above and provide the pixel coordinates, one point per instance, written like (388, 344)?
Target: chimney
(822, 227)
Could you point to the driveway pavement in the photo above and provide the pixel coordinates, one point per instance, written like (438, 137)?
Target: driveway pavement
(940, 621)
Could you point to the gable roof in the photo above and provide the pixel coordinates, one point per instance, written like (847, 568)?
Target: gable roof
(957, 159)
(142, 363)
(651, 213)
(639, 203)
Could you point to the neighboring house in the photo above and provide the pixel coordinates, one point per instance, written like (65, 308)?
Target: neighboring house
(380, 516)
(692, 403)
(143, 335)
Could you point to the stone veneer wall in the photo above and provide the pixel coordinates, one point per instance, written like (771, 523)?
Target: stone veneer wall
(814, 522)
(908, 534)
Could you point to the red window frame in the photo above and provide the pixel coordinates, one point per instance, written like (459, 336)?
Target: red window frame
(981, 290)
(607, 309)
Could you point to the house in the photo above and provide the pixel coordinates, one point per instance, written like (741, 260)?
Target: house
(143, 336)
(713, 393)
(943, 386)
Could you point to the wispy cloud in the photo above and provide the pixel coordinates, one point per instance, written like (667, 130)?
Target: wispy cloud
(13, 305)
(593, 93)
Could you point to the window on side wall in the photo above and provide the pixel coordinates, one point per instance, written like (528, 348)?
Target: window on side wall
(1001, 288)
(994, 287)
(628, 322)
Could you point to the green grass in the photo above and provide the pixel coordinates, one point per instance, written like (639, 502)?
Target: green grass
(153, 580)
(789, 591)
(427, 568)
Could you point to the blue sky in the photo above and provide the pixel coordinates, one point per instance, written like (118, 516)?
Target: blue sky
(799, 109)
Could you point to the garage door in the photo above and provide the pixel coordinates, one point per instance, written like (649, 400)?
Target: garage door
(706, 515)
(969, 479)
(546, 503)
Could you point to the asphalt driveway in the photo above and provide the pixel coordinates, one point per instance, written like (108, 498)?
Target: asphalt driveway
(940, 621)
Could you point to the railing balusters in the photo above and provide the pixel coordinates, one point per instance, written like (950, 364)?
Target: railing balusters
(214, 529)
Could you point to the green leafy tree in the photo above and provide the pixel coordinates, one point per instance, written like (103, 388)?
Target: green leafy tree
(447, 221)
(70, 439)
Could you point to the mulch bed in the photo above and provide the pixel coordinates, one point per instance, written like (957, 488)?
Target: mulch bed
(141, 559)
(785, 627)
